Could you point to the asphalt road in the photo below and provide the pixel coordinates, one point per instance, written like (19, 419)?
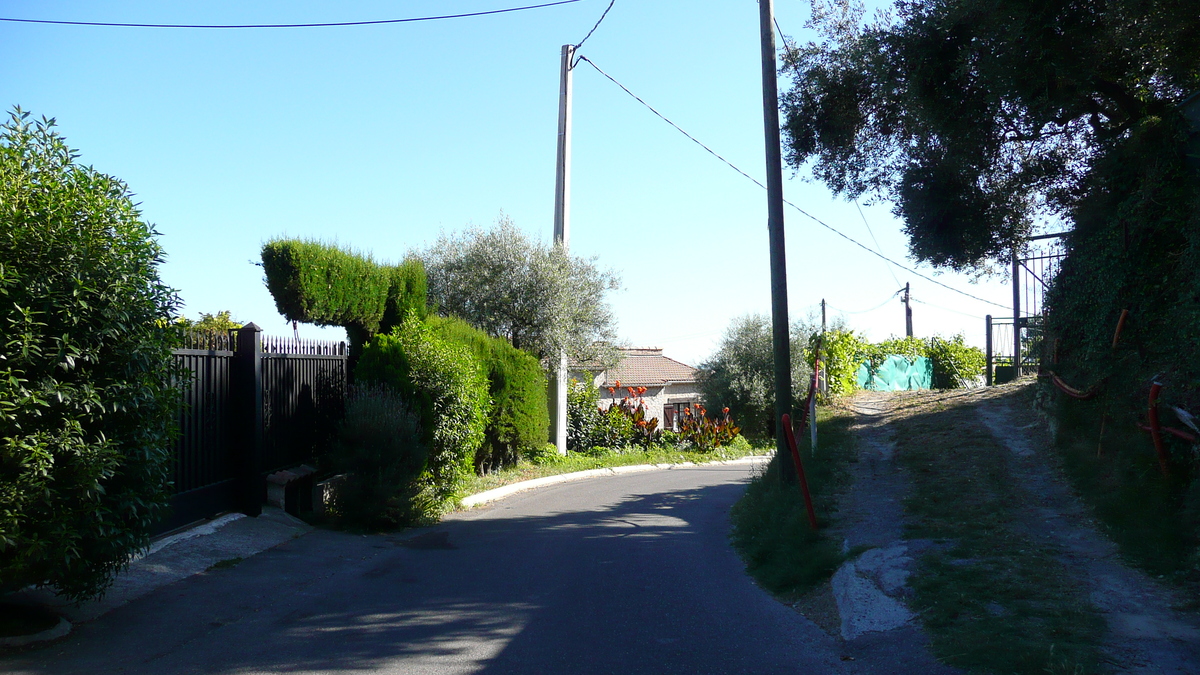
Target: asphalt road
(625, 574)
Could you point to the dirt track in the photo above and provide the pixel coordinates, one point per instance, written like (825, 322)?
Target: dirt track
(1142, 631)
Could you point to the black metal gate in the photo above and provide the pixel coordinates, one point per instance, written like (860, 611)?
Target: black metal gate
(252, 404)
(1015, 344)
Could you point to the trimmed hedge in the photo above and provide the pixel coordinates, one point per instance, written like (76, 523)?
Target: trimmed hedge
(520, 421)
(324, 285)
(449, 389)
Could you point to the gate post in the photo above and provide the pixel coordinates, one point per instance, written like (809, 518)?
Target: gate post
(248, 419)
(988, 341)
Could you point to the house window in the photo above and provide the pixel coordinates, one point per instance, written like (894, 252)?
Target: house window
(671, 417)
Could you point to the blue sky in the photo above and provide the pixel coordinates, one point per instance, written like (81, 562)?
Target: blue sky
(380, 137)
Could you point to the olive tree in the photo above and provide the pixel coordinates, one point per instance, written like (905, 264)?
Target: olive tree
(87, 387)
(740, 375)
(537, 296)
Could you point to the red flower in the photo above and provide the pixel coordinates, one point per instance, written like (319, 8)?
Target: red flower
(725, 410)
(618, 383)
(641, 390)
(611, 390)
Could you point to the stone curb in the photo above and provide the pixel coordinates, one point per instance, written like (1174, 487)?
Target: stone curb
(499, 493)
(62, 628)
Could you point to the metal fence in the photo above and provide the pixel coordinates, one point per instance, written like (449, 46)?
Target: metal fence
(1015, 344)
(252, 404)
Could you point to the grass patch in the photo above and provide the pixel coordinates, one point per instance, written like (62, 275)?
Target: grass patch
(770, 523)
(16, 620)
(225, 564)
(573, 461)
(1155, 521)
(990, 597)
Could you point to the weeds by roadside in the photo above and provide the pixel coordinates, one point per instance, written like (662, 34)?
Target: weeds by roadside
(991, 598)
(770, 526)
(1155, 521)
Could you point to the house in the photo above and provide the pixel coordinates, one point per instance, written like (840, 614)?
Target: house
(670, 385)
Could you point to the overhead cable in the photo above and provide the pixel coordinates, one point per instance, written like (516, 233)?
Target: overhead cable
(947, 309)
(864, 311)
(797, 208)
(872, 233)
(291, 25)
(593, 30)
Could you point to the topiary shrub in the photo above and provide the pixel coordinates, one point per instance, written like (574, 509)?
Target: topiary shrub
(520, 421)
(380, 446)
(318, 283)
(447, 386)
(87, 395)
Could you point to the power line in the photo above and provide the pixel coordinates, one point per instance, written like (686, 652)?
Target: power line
(663, 118)
(947, 309)
(797, 208)
(291, 25)
(593, 30)
(864, 311)
(872, 233)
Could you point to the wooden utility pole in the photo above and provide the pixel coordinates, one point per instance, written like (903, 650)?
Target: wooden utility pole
(562, 237)
(907, 312)
(779, 305)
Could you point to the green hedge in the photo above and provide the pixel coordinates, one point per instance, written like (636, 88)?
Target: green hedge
(447, 385)
(520, 421)
(88, 391)
(955, 363)
(318, 283)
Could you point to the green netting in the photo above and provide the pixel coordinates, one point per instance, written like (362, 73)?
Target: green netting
(896, 373)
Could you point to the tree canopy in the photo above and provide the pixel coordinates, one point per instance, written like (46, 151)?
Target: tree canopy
(537, 296)
(974, 117)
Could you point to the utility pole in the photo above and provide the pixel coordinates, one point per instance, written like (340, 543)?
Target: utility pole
(907, 312)
(822, 316)
(562, 237)
(779, 307)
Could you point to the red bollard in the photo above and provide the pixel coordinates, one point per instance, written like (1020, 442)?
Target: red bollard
(1155, 433)
(791, 439)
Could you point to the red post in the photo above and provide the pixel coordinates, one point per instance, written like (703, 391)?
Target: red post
(791, 440)
(1152, 414)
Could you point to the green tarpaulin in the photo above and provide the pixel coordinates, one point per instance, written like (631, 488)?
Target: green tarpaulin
(897, 373)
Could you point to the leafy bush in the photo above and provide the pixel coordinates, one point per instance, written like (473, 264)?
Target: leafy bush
(704, 433)
(583, 416)
(219, 322)
(447, 385)
(87, 386)
(955, 364)
(841, 355)
(380, 445)
(318, 283)
(520, 421)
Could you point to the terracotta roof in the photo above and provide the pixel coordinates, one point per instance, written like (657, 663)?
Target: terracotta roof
(647, 367)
